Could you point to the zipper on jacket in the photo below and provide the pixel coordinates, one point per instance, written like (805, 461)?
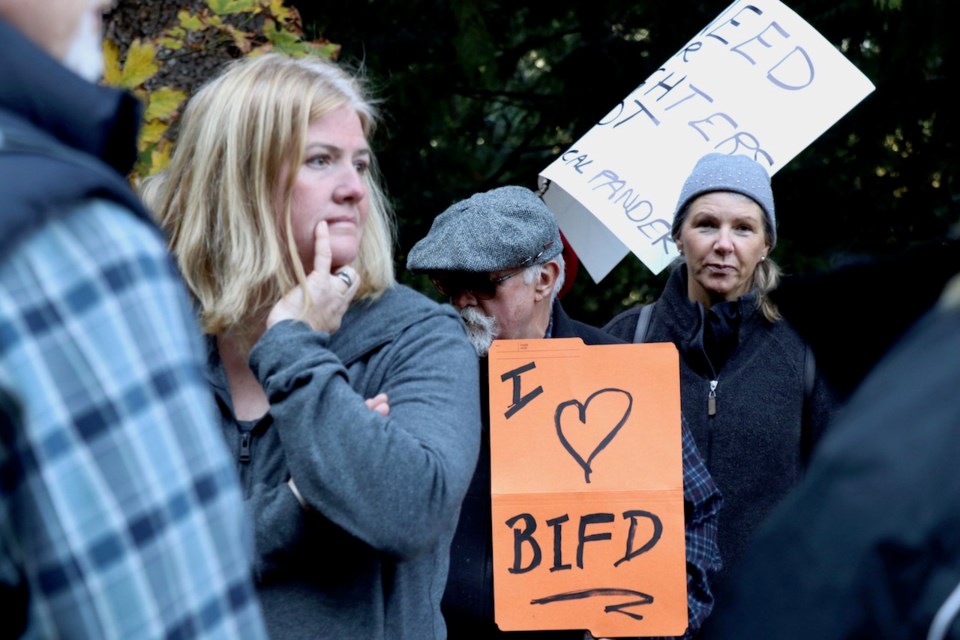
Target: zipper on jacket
(712, 399)
(245, 447)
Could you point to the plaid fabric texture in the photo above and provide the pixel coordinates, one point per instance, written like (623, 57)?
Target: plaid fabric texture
(703, 554)
(122, 514)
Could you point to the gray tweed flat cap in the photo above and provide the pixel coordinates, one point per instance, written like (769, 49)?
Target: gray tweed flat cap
(490, 231)
(722, 172)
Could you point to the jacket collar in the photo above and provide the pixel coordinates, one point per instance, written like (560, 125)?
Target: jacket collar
(708, 336)
(680, 305)
(99, 121)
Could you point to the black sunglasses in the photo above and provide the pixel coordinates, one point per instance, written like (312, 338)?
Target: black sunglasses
(480, 285)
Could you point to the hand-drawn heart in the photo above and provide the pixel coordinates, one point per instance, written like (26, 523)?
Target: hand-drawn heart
(581, 436)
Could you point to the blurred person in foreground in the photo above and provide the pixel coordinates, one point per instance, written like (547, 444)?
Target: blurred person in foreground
(497, 257)
(121, 515)
(868, 544)
(349, 401)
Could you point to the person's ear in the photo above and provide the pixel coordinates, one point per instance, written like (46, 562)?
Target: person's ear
(549, 272)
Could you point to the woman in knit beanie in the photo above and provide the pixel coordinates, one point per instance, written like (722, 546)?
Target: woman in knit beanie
(749, 390)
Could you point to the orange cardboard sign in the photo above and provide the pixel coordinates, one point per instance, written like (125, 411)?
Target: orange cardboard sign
(587, 487)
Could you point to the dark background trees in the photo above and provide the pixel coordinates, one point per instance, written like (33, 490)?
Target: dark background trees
(478, 94)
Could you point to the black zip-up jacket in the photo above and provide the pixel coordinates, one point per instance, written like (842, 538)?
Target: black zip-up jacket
(755, 443)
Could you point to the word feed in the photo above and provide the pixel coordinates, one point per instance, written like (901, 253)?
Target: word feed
(757, 81)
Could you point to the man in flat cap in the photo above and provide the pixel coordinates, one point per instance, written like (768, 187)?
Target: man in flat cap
(497, 256)
(473, 253)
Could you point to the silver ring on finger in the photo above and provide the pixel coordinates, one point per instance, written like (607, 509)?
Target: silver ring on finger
(343, 275)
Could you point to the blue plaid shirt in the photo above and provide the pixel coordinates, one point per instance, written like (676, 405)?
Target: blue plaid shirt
(703, 553)
(122, 515)
(702, 502)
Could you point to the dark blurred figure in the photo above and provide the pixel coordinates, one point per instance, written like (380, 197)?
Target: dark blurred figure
(868, 544)
(877, 300)
(121, 513)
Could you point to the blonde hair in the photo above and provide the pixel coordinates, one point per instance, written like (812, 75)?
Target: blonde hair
(766, 277)
(217, 201)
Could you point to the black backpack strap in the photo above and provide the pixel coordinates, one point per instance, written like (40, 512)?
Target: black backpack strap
(643, 321)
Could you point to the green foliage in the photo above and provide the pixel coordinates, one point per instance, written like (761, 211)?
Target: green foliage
(214, 29)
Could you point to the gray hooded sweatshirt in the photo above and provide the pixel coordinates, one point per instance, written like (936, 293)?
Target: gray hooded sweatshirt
(368, 556)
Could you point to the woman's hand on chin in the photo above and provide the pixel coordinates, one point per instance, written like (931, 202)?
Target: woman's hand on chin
(325, 297)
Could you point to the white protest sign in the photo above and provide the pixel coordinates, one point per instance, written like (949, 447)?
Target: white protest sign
(757, 81)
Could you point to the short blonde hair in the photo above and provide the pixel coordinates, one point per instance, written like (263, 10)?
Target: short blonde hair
(217, 199)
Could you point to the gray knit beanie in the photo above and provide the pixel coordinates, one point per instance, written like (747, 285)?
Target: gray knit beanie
(500, 229)
(722, 172)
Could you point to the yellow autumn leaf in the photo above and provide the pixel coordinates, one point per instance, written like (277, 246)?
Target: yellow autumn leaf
(189, 21)
(160, 157)
(140, 64)
(142, 166)
(170, 43)
(289, 43)
(151, 133)
(243, 40)
(324, 48)
(164, 102)
(224, 7)
(279, 11)
(111, 63)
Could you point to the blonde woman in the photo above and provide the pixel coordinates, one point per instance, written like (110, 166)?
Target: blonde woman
(349, 401)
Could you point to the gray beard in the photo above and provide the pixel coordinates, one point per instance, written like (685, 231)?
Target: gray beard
(481, 329)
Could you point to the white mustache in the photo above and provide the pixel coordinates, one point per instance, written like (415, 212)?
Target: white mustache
(482, 329)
